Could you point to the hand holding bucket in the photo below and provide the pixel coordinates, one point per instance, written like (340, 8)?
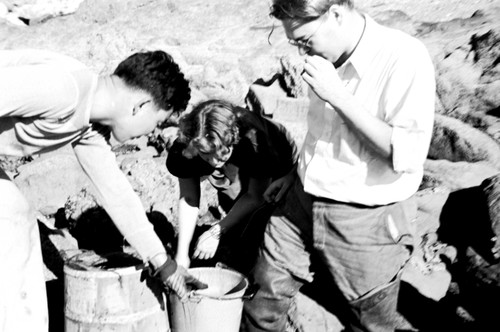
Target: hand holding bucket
(176, 278)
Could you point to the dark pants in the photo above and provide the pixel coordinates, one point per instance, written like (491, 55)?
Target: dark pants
(363, 249)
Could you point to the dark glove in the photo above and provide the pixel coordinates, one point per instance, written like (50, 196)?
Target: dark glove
(176, 278)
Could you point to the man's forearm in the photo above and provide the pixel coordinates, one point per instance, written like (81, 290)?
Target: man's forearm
(159, 260)
(373, 131)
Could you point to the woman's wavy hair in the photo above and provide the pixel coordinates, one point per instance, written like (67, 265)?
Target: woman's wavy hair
(210, 127)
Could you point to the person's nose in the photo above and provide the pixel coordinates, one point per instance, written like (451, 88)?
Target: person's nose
(303, 50)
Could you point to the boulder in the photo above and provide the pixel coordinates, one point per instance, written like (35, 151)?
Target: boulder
(158, 189)
(430, 202)
(49, 180)
(491, 191)
(38, 11)
(470, 220)
(466, 53)
(271, 99)
(455, 140)
(455, 175)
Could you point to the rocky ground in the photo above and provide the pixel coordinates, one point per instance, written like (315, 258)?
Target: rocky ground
(223, 47)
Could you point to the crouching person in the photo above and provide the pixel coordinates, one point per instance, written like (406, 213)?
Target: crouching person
(240, 153)
(48, 100)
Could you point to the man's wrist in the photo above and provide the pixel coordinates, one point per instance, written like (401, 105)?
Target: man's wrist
(158, 260)
(166, 269)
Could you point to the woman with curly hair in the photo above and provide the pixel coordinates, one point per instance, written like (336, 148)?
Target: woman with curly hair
(240, 153)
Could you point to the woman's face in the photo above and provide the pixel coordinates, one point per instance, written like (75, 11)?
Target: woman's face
(217, 160)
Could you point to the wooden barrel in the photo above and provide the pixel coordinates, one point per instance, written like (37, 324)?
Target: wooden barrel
(112, 293)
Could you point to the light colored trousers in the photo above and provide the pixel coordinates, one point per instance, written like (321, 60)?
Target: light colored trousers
(23, 298)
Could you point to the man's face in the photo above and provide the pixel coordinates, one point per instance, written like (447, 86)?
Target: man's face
(318, 37)
(143, 120)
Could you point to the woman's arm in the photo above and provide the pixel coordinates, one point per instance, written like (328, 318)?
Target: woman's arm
(246, 204)
(242, 208)
(189, 203)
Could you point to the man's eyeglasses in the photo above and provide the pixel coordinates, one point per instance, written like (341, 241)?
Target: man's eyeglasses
(304, 45)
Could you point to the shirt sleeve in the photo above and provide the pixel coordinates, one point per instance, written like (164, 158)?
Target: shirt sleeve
(41, 90)
(408, 100)
(116, 193)
(23, 57)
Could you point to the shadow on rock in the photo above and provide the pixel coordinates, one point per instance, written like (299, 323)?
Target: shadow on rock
(94, 230)
(54, 261)
(467, 224)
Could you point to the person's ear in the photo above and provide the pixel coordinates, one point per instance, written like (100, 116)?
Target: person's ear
(335, 12)
(138, 105)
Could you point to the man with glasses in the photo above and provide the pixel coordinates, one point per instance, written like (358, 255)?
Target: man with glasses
(350, 202)
(49, 100)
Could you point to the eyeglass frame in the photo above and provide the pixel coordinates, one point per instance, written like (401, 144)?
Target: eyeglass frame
(304, 44)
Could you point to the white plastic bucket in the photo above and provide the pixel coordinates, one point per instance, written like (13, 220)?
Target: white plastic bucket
(215, 309)
(110, 293)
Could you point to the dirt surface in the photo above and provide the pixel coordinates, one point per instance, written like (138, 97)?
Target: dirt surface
(223, 47)
(429, 10)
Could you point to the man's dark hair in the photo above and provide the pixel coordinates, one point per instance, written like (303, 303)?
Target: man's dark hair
(304, 10)
(156, 73)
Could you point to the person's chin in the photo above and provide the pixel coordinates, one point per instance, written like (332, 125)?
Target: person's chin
(120, 139)
(219, 165)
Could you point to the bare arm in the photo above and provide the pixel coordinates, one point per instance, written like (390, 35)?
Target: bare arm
(118, 197)
(246, 204)
(244, 207)
(189, 203)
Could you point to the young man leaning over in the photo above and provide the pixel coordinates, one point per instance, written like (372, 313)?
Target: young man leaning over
(370, 121)
(48, 100)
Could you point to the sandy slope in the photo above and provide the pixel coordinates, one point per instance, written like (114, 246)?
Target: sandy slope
(429, 10)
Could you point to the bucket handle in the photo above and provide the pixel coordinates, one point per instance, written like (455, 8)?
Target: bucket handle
(251, 291)
(248, 295)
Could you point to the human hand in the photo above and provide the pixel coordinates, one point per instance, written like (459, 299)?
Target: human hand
(176, 278)
(208, 243)
(278, 188)
(323, 79)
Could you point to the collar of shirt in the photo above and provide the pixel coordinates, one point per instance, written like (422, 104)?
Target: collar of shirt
(362, 56)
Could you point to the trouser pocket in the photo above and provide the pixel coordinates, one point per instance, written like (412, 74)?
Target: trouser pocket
(400, 222)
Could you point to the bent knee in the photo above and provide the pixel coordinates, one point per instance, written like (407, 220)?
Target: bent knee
(266, 315)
